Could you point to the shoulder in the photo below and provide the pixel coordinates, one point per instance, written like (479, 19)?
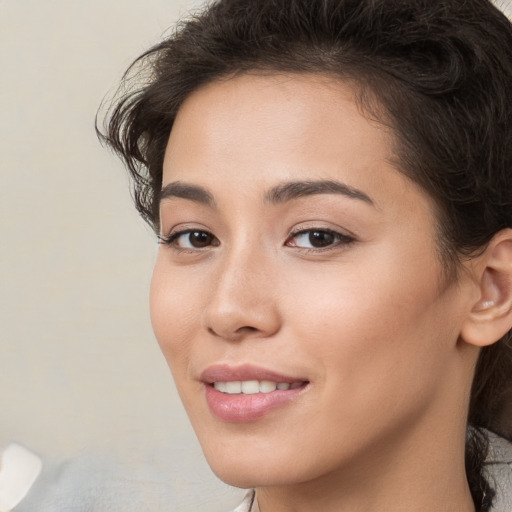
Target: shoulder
(498, 468)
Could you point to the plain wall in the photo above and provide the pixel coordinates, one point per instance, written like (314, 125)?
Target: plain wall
(80, 371)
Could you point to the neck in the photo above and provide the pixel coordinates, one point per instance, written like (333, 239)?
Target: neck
(414, 473)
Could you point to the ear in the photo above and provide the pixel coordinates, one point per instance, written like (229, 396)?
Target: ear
(491, 315)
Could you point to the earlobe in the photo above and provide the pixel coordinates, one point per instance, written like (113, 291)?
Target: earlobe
(491, 315)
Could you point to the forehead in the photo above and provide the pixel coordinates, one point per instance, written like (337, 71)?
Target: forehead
(252, 131)
(273, 116)
(293, 104)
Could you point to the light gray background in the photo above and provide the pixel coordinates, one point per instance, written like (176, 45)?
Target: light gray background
(81, 377)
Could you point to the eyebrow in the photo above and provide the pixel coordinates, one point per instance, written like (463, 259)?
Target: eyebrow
(187, 191)
(296, 189)
(282, 193)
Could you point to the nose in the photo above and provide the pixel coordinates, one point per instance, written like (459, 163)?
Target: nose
(243, 301)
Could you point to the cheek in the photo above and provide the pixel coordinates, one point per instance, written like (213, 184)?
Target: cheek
(174, 312)
(373, 333)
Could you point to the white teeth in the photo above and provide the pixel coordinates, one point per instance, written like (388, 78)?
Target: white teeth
(267, 387)
(251, 387)
(234, 387)
(220, 386)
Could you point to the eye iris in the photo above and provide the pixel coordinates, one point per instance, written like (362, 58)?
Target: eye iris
(200, 239)
(321, 238)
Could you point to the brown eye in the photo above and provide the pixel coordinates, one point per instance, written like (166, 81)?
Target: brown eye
(200, 239)
(190, 239)
(319, 239)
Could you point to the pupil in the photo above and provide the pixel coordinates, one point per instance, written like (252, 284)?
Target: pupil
(321, 238)
(200, 239)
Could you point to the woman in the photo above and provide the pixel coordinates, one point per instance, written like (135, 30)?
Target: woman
(331, 184)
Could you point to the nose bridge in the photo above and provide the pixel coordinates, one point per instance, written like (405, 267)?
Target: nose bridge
(244, 265)
(242, 300)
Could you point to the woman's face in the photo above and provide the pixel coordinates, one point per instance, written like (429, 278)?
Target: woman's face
(298, 296)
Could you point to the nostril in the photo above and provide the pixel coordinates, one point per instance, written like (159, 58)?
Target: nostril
(234, 320)
(235, 334)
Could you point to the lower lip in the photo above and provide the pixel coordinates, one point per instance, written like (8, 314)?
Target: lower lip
(245, 408)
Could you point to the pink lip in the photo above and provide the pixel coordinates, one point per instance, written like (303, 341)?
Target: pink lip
(246, 408)
(225, 372)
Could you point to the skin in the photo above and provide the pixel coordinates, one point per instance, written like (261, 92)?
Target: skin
(369, 320)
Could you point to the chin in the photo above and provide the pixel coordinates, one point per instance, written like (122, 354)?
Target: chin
(240, 467)
(246, 475)
(259, 464)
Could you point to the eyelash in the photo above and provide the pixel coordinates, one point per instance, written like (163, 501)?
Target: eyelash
(339, 239)
(171, 239)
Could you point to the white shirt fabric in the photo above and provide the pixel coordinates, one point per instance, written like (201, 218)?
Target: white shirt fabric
(249, 504)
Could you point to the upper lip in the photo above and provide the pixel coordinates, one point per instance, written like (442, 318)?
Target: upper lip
(243, 372)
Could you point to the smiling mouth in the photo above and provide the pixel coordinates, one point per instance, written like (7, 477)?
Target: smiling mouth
(245, 392)
(241, 401)
(252, 387)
